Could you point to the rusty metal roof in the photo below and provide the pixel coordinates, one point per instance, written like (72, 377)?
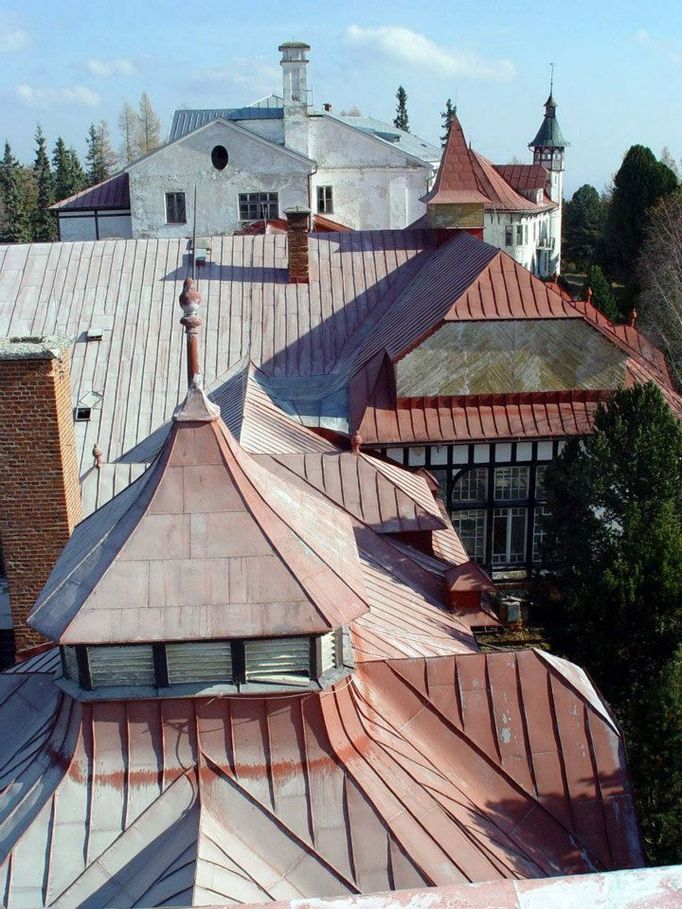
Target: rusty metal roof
(409, 773)
(210, 545)
(523, 176)
(113, 193)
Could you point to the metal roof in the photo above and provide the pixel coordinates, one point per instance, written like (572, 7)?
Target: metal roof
(186, 121)
(523, 176)
(391, 135)
(208, 544)
(411, 772)
(113, 193)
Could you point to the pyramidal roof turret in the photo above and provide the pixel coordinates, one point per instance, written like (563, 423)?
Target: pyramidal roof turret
(456, 180)
(207, 544)
(549, 135)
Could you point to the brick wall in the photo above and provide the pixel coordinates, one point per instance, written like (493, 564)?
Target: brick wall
(39, 484)
(297, 243)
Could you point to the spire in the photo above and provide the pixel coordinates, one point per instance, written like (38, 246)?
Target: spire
(456, 181)
(549, 136)
(196, 407)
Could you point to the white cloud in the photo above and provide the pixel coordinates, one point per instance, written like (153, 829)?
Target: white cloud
(251, 74)
(670, 50)
(76, 96)
(12, 36)
(411, 48)
(118, 66)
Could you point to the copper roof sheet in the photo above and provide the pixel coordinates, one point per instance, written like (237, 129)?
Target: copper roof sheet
(476, 418)
(457, 180)
(210, 545)
(523, 176)
(412, 772)
(113, 193)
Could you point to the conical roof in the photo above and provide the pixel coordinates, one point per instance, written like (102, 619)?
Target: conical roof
(208, 544)
(456, 180)
(549, 135)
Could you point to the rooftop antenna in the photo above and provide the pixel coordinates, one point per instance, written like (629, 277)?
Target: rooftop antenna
(194, 232)
(551, 79)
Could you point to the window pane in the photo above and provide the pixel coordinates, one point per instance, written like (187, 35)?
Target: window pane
(175, 208)
(471, 486)
(509, 536)
(470, 526)
(258, 206)
(509, 235)
(511, 483)
(540, 474)
(324, 199)
(541, 515)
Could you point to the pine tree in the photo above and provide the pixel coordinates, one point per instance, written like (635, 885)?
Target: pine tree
(129, 126)
(68, 173)
(448, 116)
(43, 221)
(100, 159)
(401, 119)
(17, 228)
(583, 226)
(149, 131)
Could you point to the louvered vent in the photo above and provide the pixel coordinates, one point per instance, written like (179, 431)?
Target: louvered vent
(125, 665)
(70, 663)
(328, 651)
(209, 661)
(277, 660)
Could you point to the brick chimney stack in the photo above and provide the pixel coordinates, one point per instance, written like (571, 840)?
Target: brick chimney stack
(40, 501)
(297, 243)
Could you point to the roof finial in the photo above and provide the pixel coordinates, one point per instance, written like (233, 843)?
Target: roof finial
(355, 442)
(98, 455)
(190, 298)
(551, 79)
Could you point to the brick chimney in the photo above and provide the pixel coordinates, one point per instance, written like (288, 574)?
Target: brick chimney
(297, 243)
(40, 499)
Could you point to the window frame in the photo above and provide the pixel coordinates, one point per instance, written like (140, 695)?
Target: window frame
(251, 206)
(175, 196)
(325, 199)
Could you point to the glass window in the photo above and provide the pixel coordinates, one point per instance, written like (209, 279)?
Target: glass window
(541, 514)
(540, 474)
(511, 483)
(175, 208)
(470, 526)
(519, 235)
(471, 486)
(258, 206)
(509, 536)
(325, 202)
(509, 235)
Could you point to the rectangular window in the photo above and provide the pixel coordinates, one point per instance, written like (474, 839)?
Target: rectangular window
(205, 661)
(175, 208)
(471, 486)
(540, 474)
(470, 526)
(325, 202)
(525, 233)
(509, 536)
(509, 235)
(541, 514)
(125, 664)
(258, 206)
(511, 483)
(519, 235)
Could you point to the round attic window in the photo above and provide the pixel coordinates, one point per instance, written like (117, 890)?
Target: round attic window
(219, 157)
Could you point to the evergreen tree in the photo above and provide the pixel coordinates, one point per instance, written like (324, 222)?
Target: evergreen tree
(68, 173)
(149, 126)
(602, 295)
(16, 228)
(43, 221)
(401, 119)
(100, 158)
(614, 554)
(448, 116)
(583, 226)
(639, 183)
(129, 126)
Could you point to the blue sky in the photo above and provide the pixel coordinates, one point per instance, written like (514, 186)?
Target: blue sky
(618, 66)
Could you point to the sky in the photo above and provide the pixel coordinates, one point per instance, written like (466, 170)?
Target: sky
(617, 65)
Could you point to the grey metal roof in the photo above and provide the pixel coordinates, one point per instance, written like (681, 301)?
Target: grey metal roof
(186, 121)
(398, 138)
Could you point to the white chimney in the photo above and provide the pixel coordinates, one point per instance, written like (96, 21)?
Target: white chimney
(294, 66)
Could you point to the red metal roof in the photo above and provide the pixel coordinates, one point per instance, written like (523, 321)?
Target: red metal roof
(456, 180)
(478, 418)
(113, 193)
(523, 176)
(212, 545)
(409, 773)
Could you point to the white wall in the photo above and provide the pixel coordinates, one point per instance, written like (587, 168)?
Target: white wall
(374, 186)
(528, 254)
(254, 166)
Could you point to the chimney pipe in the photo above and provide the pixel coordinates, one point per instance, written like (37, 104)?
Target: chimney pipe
(297, 244)
(328, 107)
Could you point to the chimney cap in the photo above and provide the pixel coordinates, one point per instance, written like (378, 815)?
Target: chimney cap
(41, 347)
(294, 45)
(297, 210)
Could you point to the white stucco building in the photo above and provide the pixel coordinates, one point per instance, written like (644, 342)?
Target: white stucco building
(245, 165)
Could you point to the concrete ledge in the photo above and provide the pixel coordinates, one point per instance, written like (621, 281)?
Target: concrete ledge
(27, 347)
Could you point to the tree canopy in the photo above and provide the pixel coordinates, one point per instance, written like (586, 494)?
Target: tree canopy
(68, 173)
(100, 158)
(613, 551)
(17, 228)
(44, 222)
(583, 225)
(640, 182)
(148, 128)
(448, 115)
(401, 119)
(602, 295)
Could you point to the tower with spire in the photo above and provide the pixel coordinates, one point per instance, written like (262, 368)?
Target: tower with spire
(548, 148)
